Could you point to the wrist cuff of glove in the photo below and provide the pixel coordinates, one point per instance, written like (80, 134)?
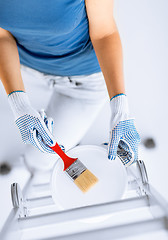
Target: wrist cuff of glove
(120, 94)
(119, 104)
(19, 103)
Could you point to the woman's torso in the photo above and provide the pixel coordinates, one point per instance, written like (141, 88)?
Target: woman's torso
(52, 36)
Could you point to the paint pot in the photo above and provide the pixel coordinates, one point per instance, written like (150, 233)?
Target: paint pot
(111, 186)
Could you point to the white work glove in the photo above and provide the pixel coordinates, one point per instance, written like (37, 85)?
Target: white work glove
(31, 124)
(123, 134)
(49, 123)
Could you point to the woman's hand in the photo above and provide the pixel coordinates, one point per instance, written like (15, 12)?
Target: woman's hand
(32, 125)
(123, 134)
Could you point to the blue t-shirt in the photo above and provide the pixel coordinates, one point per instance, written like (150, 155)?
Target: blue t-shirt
(52, 36)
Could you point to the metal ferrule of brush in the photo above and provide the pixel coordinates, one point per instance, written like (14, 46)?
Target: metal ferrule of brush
(75, 170)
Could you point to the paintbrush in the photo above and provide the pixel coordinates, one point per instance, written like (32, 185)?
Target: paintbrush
(76, 170)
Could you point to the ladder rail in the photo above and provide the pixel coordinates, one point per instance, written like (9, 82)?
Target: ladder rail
(12, 220)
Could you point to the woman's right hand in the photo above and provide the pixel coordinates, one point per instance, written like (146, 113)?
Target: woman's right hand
(28, 120)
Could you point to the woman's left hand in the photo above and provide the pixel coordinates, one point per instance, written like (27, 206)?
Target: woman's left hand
(123, 134)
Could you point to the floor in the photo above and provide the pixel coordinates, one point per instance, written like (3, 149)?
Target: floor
(142, 26)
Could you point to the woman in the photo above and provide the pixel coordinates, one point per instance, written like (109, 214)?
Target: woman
(76, 44)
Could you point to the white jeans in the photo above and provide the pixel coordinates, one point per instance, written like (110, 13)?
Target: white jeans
(73, 102)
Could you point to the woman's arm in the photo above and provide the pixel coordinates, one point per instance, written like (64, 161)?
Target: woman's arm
(30, 123)
(10, 73)
(107, 44)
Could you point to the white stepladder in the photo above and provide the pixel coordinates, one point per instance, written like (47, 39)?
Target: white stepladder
(141, 214)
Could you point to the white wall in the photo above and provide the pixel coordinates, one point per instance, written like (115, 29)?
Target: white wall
(143, 26)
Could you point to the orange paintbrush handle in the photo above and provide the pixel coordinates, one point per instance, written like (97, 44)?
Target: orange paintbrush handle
(67, 160)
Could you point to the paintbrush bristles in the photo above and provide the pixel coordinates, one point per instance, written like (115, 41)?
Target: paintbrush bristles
(86, 180)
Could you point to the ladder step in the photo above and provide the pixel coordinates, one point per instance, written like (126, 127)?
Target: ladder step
(89, 230)
(40, 187)
(35, 195)
(84, 212)
(40, 202)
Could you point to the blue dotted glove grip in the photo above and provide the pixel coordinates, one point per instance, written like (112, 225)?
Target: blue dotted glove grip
(26, 125)
(126, 131)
